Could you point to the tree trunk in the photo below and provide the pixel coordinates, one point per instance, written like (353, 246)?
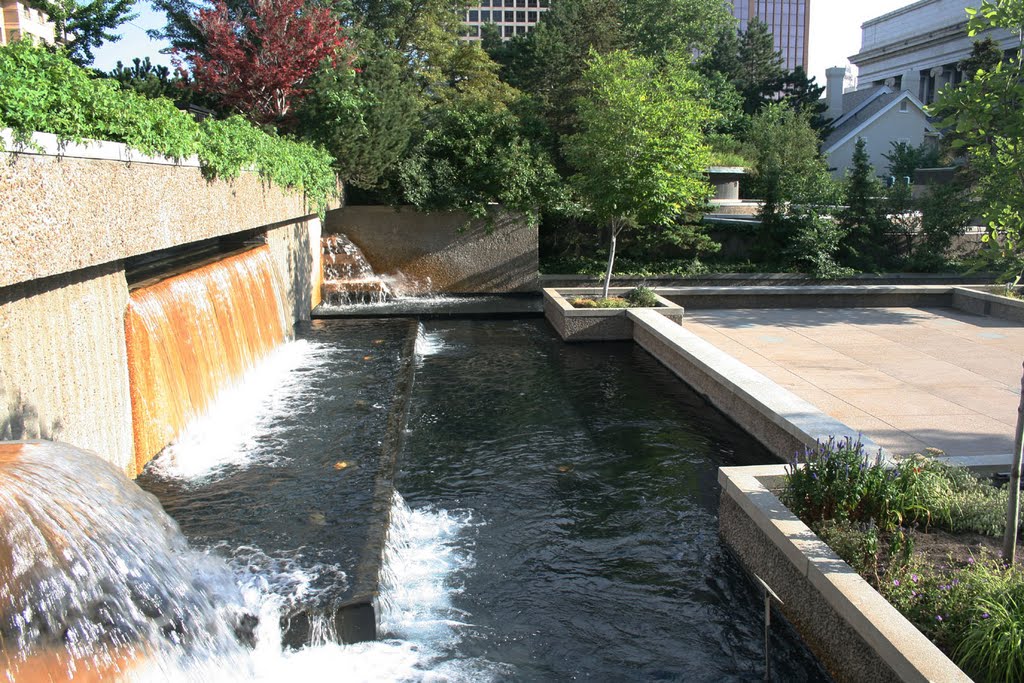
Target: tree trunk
(611, 259)
(1013, 509)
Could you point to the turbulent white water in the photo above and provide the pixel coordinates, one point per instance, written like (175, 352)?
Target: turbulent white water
(427, 343)
(244, 412)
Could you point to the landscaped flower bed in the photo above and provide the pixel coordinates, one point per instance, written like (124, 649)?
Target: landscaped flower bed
(638, 297)
(927, 537)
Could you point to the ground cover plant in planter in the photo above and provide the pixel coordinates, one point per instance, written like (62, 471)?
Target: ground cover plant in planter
(638, 297)
(927, 536)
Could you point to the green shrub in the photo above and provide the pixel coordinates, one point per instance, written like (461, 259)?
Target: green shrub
(609, 302)
(642, 296)
(42, 91)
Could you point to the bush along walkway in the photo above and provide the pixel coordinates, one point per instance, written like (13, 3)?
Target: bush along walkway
(927, 537)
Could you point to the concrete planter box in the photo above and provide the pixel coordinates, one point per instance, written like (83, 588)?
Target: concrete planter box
(852, 629)
(596, 324)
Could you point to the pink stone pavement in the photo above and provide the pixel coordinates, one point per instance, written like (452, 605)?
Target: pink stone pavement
(910, 378)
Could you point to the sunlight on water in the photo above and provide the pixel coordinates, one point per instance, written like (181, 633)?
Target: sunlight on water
(227, 432)
(428, 343)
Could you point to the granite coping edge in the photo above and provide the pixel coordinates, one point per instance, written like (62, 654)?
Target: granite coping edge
(48, 144)
(896, 641)
(972, 293)
(796, 416)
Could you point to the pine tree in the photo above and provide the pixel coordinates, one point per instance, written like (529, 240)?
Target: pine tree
(867, 244)
(761, 73)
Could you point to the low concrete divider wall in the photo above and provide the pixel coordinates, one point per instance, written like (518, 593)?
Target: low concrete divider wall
(852, 629)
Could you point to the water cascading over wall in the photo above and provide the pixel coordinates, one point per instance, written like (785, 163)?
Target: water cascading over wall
(190, 335)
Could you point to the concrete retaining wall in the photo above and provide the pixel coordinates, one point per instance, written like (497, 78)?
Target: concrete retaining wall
(852, 629)
(68, 220)
(455, 257)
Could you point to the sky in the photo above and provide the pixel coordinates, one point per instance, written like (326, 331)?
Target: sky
(835, 34)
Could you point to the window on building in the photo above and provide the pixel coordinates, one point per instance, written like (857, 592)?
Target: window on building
(531, 3)
(510, 17)
(904, 107)
(520, 3)
(531, 17)
(485, 15)
(520, 30)
(474, 15)
(521, 17)
(508, 31)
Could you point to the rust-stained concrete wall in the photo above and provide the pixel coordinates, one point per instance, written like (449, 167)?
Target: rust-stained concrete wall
(457, 258)
(63, 368)
(67, 223)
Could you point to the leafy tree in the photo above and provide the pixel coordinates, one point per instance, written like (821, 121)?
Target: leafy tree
(660, 27)
(365, 117)
(984, 117)
(261, 65)
(469, 154)
(83, 26)
(639, 155)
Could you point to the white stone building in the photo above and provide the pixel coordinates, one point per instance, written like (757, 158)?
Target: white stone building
(918, 47)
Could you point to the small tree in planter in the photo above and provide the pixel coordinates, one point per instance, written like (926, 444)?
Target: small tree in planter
(640, 156)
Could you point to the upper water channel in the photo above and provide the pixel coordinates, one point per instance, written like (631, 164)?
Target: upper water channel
(560, 507)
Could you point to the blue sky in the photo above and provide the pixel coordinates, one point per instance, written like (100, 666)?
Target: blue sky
(835, 34)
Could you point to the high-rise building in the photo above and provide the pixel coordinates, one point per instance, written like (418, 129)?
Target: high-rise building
(789, 22)
(512, 17)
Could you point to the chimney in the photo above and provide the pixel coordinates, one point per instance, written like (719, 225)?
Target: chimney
(834, 92)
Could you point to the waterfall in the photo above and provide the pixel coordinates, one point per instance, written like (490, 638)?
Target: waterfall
(96, 581)
(348, 277)
(191, 334)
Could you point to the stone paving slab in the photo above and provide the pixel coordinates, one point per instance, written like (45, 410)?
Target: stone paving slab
(909, 378)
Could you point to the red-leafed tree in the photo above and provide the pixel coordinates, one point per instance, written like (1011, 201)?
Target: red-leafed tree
(261, 63)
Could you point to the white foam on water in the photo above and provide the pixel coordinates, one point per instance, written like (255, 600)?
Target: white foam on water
(228, 431)
(427, 343)
(420, 626)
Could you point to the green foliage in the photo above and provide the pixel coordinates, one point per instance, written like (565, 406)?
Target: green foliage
(985, 121)
(642, 296)
(601, 302)
(640, 156)
(82, 26)
(868, 239)
(904, 159)
(985, 54)
(472, 154)
(43, 91)
(761, 74)
(365, 118)
(993, 647)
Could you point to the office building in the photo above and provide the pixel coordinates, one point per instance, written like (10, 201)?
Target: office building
(19, 20)
(789, 22)
(512, 17)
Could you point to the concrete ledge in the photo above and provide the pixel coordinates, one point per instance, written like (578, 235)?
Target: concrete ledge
(855, 632)
(781, 420)
(810, 296)
(981, 302)
(599, 324)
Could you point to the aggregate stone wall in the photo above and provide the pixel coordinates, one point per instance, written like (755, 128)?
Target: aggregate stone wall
(61, 213)
(295, 248)
(457, 256)
(63, 365)
(843, 652)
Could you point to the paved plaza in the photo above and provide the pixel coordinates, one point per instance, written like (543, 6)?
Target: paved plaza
(909, 378)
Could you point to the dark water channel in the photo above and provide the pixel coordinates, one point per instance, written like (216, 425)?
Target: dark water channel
(585, 475)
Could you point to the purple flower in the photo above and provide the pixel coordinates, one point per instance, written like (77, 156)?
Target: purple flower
(985, 615)
(938, 617)
(970, 560)
(895, 582)
(914, 578)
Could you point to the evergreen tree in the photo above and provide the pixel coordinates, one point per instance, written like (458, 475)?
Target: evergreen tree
(985, 54)
(761, 75)
(804, 95)
(867, 244)
(81, 27)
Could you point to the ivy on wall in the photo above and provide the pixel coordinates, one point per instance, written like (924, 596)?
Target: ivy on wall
(43, 91)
